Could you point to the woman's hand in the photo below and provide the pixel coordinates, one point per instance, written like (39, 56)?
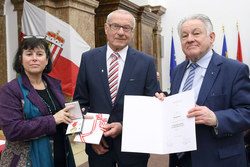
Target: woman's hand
(63, 116)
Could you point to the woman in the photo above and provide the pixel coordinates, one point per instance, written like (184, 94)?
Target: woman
(33, 116)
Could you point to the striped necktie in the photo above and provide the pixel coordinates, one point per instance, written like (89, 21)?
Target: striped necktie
(113, 76)
(189, 81)
(187, 86)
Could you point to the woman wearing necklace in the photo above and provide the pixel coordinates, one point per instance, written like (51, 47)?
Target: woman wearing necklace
(32, 112)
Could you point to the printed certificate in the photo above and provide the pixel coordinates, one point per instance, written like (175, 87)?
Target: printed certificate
(159, 127)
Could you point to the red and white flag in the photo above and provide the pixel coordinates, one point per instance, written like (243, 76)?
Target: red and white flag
(66, 45)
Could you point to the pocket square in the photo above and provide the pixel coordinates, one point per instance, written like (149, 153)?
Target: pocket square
(132, 79)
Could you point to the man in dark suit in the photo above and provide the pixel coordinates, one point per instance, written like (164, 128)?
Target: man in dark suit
(165, 93)
(99, 90)
(222, 94)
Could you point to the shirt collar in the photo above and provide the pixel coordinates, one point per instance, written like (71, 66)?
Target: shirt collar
(122, 53)
(204, 61)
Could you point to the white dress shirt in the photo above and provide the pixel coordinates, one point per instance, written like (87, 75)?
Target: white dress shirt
(121, 61)
(200, 72)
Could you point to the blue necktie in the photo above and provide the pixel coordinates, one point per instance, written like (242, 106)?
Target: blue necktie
(189, 81)
(187, 86)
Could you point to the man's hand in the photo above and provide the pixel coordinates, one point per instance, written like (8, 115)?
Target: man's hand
(113, 130)
(86, 116)
(203, 115)
(160, 96)
(101, 148)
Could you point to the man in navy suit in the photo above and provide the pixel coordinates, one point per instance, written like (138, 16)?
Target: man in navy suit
(136, 76)
(222, 95)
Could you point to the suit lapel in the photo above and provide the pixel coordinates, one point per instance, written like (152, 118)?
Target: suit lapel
(209, 79)
(37, 101)
(127, 70)
(178, 78)
(101, 67)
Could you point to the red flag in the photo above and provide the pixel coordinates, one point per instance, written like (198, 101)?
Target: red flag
(239, 53)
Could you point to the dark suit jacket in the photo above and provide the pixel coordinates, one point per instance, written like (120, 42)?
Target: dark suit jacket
(92, 88)
(226, 91)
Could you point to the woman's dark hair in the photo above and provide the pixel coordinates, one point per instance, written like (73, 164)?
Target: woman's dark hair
(31, 43)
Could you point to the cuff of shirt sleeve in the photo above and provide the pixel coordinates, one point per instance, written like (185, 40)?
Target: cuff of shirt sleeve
(216, 128)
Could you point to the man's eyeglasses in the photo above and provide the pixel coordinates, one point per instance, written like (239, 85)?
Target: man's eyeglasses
(34, 36)
(116, 27)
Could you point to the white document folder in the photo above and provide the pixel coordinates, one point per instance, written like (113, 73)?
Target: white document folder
(159, 127)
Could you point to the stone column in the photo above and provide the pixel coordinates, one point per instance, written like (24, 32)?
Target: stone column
(157, 39)
(3, 57)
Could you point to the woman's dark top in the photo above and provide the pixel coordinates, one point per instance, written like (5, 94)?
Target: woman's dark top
(59, 138)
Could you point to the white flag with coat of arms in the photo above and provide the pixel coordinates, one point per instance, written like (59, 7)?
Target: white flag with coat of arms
(66, 45)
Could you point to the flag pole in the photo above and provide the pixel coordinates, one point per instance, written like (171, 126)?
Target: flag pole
(224, 46)
(237, 25)
(172, 57)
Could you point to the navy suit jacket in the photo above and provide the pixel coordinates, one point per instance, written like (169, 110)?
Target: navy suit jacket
(92, 88)
(226, 91)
